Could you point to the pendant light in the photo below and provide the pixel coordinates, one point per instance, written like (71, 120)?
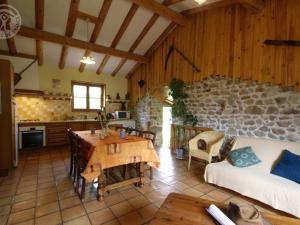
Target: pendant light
(89, 60)
(200, 1)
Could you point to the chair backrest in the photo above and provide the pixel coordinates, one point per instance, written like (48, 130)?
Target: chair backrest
(149, 135)
(73, 140)
(85, 151)
(134, 132)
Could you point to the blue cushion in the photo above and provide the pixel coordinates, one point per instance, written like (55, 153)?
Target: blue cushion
(243, 157)
(288, 167)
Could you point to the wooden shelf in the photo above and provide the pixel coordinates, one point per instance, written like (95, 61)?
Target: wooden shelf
(117, 101)
(35, 93)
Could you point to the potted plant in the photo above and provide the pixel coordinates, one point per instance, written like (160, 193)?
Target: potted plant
(179, 109)
(104, 118)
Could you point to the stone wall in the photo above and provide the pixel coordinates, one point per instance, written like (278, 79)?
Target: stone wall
(233, 106)
(148, 114)
(246, 108)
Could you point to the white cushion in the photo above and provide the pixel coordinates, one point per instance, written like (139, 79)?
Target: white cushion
(256, 181)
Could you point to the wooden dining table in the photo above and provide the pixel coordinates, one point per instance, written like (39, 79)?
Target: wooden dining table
(113, 151)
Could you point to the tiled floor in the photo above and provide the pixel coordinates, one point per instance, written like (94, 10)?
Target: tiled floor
(40, 192)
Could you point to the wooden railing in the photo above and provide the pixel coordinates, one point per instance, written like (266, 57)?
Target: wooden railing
(181, 134)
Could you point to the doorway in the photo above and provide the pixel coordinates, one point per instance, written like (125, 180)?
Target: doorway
(167, 121)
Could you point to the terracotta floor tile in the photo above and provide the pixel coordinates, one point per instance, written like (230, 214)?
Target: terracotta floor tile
(114, 199)
(139, 201)
(204, 188)
(25, 196)
(220, 196)
(28, 222)
(69, 202)
(121, 208)
(180, 186)
(145, 189)
(21, 216)
(94, 205)
(67, 193)
(23, 205)
(50, 219)
(130, 193)
(46, 199)
(46, 209)
(101, 216)
(72, 213)
(155, 196)
(132, 218)
(26, 189)
(46, 191)
(148, 212)
(83, 220)
(112, 222)
(4, 210)
(5, 201)
(192, 192)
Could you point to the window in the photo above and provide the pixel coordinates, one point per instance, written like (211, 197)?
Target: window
(87, 96)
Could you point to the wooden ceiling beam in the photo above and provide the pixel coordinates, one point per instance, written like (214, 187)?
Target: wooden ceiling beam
(21, 55)
(254, 6)
(119, 34)
(84, 16)
(98, 26)
(208, 6)
(171, 2)
(162, 10)
(39, 24)
(69, 30)
(67, 41)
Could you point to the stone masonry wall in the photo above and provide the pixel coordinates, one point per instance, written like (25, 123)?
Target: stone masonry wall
(148, 114)
(246, 108)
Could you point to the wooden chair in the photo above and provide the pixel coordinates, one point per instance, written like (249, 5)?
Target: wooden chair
(83, 156)
(116, 127)
(73, 139)
(134, 132)
(149, 135)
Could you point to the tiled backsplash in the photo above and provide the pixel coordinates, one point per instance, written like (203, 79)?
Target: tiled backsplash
(37, 108)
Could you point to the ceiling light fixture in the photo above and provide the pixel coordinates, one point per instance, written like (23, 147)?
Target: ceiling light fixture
(89, 60)
(200, 1)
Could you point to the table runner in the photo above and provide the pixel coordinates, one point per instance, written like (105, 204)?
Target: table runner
(114, 151)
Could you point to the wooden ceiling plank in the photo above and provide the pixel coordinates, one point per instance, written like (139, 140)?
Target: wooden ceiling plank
(119, 34)
(67, 41)
(74, 5)
(18, 54)
(98, 26)
(119, 66)
(162, 10)
(39, 24)
(208, 6)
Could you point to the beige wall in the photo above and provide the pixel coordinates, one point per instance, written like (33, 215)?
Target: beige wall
(48, 72)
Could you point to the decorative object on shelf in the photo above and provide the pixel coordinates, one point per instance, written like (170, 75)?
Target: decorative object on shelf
(179, 108)
(103, 118)
(108, 97)
(123, 106)
(141, 83)
(127, 96)
(118, 96)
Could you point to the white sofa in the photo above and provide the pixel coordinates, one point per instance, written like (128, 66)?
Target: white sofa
(256, 181)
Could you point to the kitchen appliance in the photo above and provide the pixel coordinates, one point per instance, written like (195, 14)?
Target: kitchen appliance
(33, 136)
(122, 115)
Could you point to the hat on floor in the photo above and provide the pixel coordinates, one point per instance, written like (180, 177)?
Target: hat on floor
(245, 215)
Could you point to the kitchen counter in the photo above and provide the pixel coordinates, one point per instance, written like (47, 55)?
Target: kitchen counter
(65, 121)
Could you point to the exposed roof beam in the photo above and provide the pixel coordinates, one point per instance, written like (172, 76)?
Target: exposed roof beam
(162, 11)
(171, 2)
(208, 6)
(253, 5)
(146, 29)
(74, 5)
(155, 45)
(98, 26)
(21, 55)
(66, 41)
(84, 16)
(39, 24)
(119, 35)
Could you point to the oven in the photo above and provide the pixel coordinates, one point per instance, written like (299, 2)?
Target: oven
(32, 137)
(122, 114)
